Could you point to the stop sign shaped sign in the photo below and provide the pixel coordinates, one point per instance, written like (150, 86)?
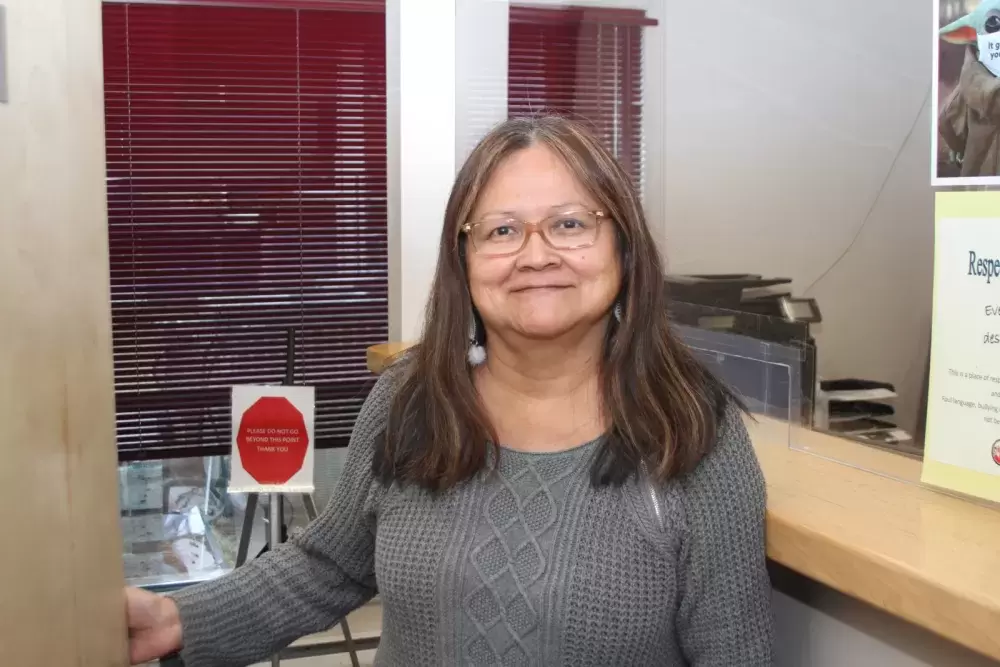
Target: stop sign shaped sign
(272, 439)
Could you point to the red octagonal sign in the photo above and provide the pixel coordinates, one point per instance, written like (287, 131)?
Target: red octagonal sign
(272, 440)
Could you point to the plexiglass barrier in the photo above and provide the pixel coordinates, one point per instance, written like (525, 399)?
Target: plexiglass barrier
(772, 364)
(772, 378)
(767, 376)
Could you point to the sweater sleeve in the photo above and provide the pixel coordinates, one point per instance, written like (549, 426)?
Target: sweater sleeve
(724, 616)
(303, 586)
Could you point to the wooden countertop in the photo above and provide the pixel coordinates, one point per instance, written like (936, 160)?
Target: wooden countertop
(881, 537)
(380, 356)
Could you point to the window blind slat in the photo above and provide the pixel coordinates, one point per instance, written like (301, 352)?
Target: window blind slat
(246, 152)
(585, 63)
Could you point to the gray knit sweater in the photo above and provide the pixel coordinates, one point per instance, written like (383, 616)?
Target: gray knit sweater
(528, 565)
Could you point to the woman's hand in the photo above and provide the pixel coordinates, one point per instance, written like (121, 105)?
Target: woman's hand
(154, 625)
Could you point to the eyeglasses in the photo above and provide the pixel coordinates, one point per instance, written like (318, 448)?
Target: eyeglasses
(504, 235)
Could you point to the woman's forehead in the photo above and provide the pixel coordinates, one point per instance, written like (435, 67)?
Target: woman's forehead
(532, 182)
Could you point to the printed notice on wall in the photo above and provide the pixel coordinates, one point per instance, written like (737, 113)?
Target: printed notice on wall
(962, 447)
(273, 434)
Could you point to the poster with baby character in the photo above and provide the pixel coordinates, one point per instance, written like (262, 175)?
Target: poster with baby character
(965, 137)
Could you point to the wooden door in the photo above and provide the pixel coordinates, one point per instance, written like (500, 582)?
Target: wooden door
(61, 577)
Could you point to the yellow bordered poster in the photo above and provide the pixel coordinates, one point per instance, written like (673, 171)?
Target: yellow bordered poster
(962, 443)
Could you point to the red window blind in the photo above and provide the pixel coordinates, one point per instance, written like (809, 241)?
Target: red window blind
(246, 148)
(585, 63)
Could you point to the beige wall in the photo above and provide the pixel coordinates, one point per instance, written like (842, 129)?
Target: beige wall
(781, 121)
(61, 576)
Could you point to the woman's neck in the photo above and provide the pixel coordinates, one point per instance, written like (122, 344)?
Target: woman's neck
(543, 373)
(543, 396)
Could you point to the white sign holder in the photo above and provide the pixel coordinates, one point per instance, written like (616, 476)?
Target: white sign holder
(273, 439)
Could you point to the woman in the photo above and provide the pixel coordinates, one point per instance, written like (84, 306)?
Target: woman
(619, 520)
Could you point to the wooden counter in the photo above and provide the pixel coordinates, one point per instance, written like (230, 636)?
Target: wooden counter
(880, 536)
(916, 553)
(380, 356)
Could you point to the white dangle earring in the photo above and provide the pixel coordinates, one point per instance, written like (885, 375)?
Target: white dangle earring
(618, 312)
(477, 353)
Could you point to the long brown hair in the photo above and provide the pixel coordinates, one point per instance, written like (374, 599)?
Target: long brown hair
(663, 405)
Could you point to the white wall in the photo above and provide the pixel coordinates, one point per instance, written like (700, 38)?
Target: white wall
(446, 80)
(421, 140)
(482, 28)
(789, 129)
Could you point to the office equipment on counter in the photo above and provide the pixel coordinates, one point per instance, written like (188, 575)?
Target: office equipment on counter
(754, 333)
(862, 410)
(743, 292)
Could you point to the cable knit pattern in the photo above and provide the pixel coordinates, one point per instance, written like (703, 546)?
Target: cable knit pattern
(511, 556)
(526, 565)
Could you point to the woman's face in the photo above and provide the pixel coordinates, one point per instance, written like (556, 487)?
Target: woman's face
(540, 291)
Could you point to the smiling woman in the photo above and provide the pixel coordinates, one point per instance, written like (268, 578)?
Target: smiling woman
(585, 290)
(539, 285)
(584, 493)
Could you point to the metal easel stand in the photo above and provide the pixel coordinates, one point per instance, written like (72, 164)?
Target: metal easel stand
(276, 534)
